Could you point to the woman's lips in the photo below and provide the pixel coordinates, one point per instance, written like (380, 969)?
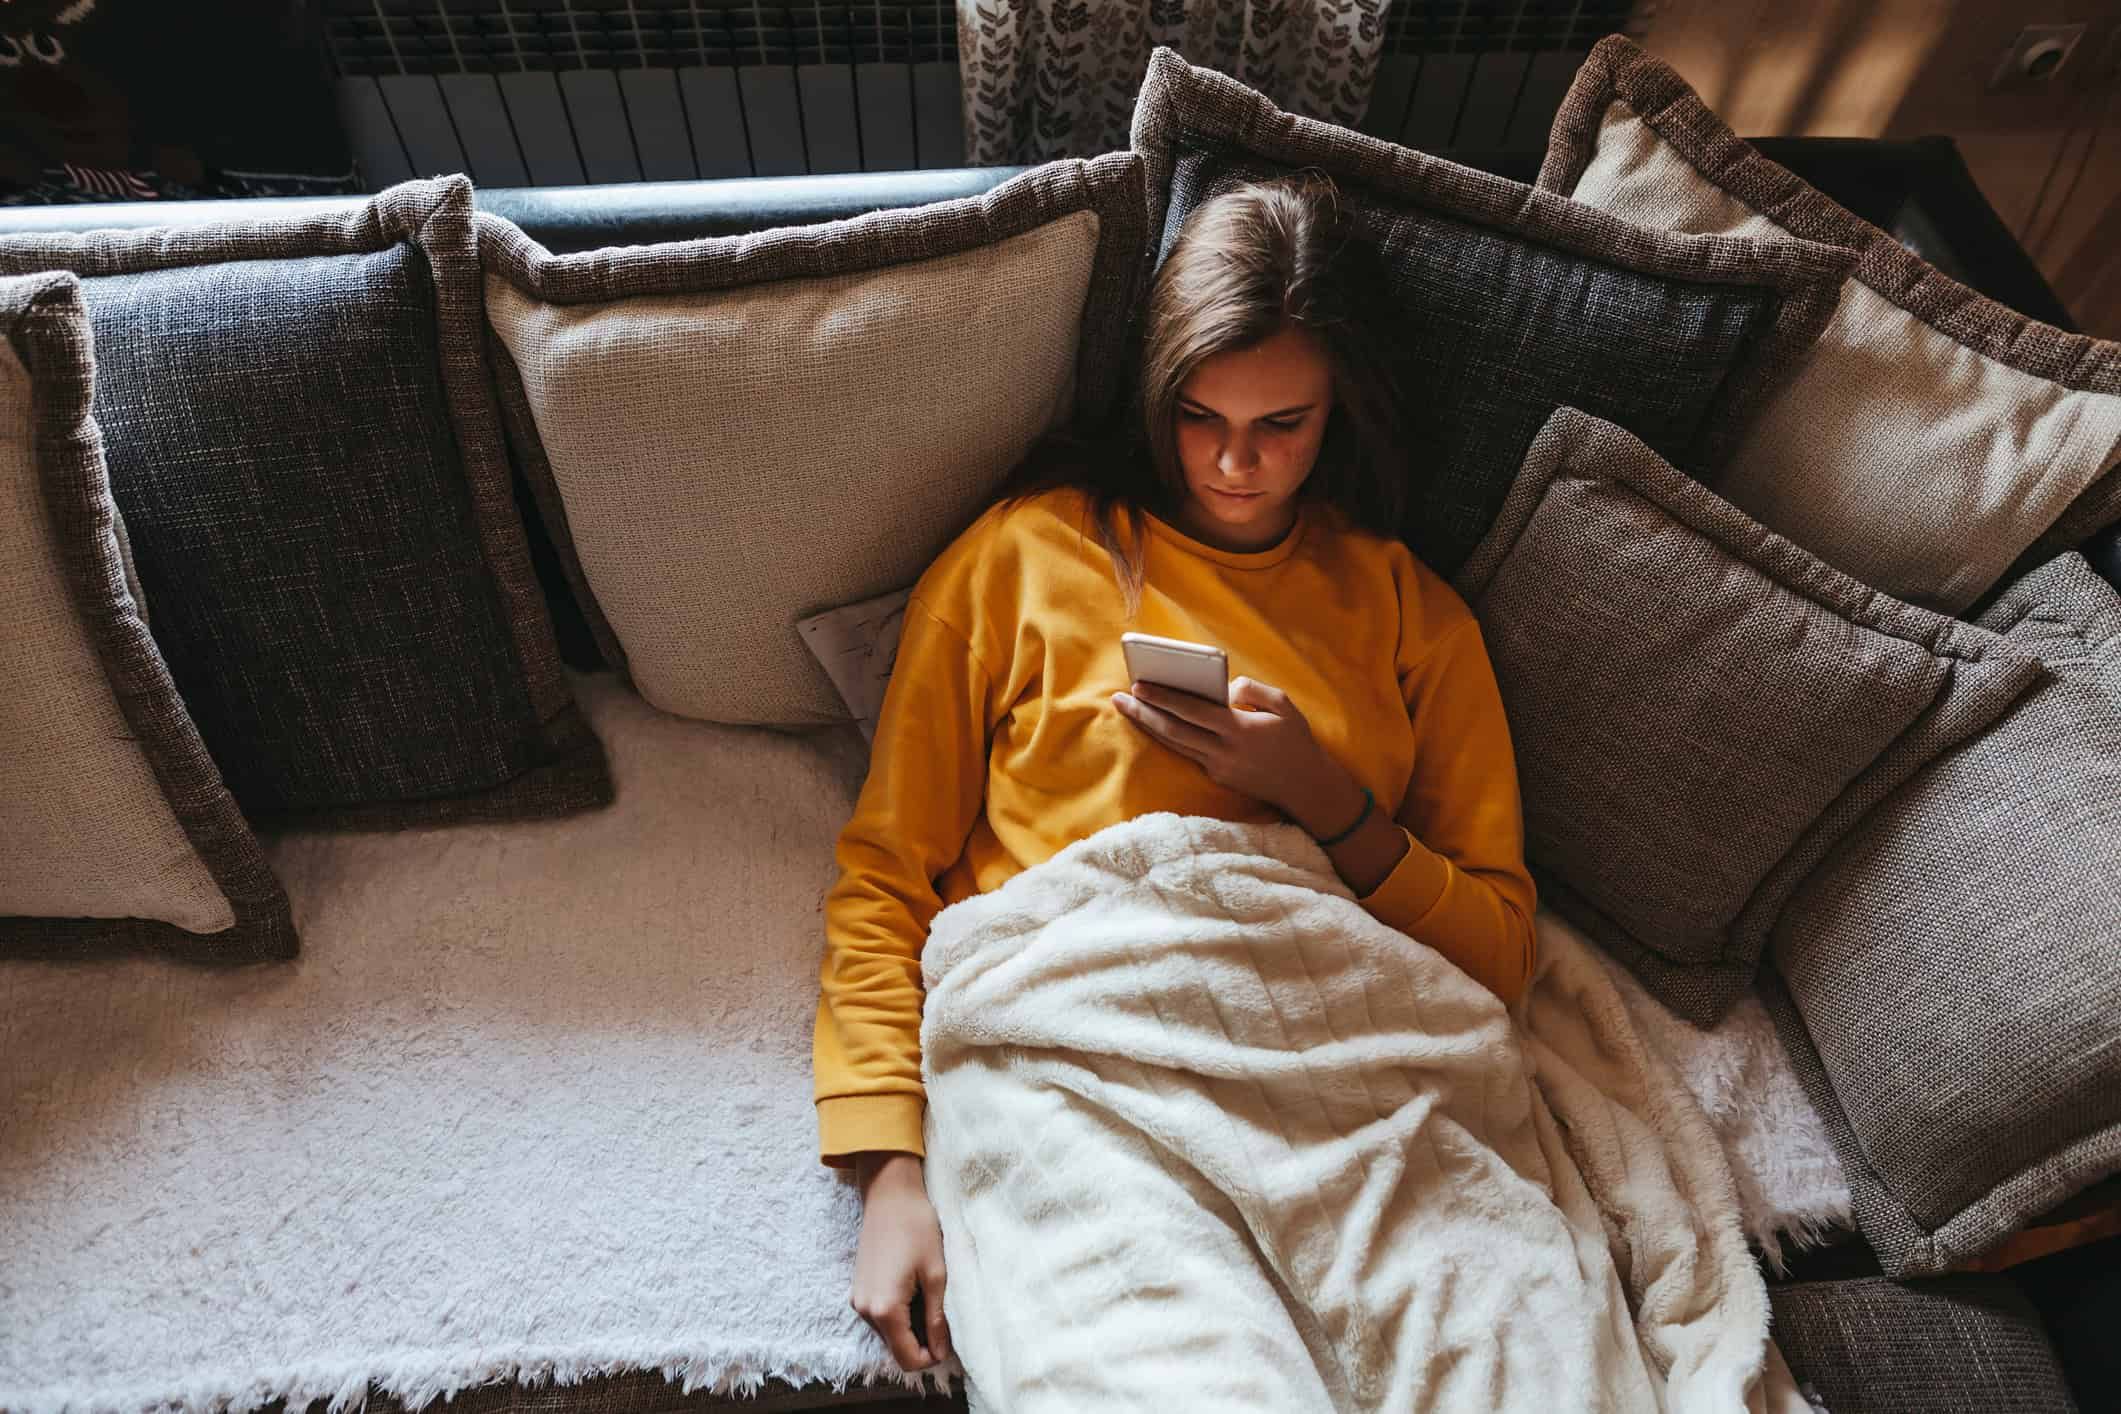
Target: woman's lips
(1237, 495)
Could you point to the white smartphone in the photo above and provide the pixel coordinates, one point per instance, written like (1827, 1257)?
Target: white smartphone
(1197, 668)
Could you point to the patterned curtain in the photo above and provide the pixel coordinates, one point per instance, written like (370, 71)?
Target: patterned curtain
(1057, 78)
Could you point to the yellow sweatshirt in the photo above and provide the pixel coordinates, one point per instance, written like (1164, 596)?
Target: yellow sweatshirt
(999, 746)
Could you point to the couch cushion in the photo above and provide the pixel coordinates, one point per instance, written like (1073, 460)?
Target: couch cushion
(114, 825)
(729, 435)
(537, 1099)
(1933, 436)
(1952, 1345)
(1507, 303)
(1950, 976)
(303, 441)
(1700, 708)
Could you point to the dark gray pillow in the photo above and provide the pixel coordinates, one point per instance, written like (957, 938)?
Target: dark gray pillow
(1699, 708)
(1951, 1345)
(300, 426)
(1505, 302)
(1950, 978)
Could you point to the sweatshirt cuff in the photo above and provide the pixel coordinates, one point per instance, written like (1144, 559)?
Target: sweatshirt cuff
(849, 1124)
(1411, 889)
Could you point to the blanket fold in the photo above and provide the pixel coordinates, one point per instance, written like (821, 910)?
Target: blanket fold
(1204, 1134)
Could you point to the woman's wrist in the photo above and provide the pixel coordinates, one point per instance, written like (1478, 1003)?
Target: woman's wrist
(887, 1168)
(1366, 847)
(1331, 806)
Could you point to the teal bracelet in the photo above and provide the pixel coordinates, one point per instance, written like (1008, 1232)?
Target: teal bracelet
(1368, 801)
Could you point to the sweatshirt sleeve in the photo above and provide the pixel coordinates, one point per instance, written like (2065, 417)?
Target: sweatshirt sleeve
(926, 782)
(1462, 887)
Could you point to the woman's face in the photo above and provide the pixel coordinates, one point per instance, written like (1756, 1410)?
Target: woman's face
(1249, 424)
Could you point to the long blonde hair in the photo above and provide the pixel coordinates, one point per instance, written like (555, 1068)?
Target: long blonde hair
(1260, 258)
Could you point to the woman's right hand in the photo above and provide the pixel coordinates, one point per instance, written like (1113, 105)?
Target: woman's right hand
(901, 1251)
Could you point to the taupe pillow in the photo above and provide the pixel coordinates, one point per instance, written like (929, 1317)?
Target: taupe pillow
(1699, 708)
(856, 645)
(1932, 437)
(1503, 303)
(115, 827)
(1948, 981)
(729, 435)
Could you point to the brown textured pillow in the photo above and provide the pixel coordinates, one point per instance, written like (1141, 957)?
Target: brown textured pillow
(1932, 436)
(1700, 708)
(1948, 981)
(728, 435)
(1502, 302)
(115, 828)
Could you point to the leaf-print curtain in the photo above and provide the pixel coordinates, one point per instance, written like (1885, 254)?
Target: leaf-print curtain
(1057, 78)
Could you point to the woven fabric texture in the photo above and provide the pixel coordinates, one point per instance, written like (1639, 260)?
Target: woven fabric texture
(1952, 1345)
(1934, 437)
(1505, 303)
(115, 828)
(1950, 976)
(304, 443)
(728, 436)
(1700, 708)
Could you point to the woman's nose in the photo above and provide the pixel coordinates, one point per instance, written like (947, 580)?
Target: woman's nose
(1237, 456)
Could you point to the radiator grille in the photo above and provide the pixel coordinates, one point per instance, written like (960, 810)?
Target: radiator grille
(375, 37)
(537, 92)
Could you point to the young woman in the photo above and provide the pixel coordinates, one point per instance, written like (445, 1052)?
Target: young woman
(1253, 506)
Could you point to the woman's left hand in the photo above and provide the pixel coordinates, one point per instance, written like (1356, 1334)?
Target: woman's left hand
(1267, 753)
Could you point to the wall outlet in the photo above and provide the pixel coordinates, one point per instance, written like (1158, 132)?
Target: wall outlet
(2036, 55)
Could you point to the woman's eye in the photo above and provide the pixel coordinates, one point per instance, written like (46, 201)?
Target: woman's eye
(1279, 424)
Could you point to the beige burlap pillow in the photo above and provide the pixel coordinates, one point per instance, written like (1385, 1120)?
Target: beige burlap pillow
(115, 827)
(727, 436)
(1933, 437)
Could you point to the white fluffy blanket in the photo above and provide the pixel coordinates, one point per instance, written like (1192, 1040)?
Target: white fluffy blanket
(1204, 1134)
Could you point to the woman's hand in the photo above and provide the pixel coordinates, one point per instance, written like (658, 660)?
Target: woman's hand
(901, 1251)
(1267, 752)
